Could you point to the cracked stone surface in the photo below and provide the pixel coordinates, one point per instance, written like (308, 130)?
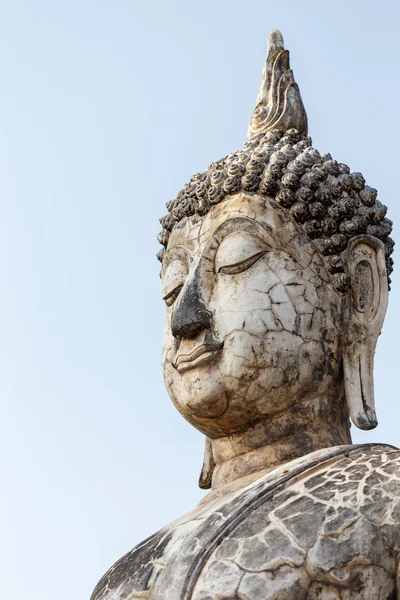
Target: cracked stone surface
(342, 544)
(305, 530)
(276, 316)
(257, 356)
(275, 278)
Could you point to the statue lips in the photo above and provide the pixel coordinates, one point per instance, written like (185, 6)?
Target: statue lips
(200, 355)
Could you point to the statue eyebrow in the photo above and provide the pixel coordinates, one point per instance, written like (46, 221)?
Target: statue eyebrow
(244, 223)
(173, 253)
(237, 224)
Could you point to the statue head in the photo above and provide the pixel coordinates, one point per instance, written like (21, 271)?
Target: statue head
(275, 274)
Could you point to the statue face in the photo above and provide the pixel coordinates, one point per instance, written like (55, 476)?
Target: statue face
(253, 323)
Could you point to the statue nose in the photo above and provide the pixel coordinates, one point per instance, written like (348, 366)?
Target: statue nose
(190, 315)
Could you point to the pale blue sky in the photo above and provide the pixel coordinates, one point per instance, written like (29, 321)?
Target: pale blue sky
(106, 110)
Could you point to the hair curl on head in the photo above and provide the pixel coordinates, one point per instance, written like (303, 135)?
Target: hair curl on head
(332, 204)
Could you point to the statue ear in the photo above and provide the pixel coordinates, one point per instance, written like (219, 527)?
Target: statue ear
(367, 307)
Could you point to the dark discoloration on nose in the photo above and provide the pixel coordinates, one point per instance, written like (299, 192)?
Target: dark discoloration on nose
(190, 315)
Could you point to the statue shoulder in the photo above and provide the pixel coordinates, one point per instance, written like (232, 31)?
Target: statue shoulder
(334, 525)
(334, 513)
(135, 570)
(365, 479)
(368, 480)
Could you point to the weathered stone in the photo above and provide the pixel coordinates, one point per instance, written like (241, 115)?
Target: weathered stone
(288, 583)
(274, 549)
(275, 277)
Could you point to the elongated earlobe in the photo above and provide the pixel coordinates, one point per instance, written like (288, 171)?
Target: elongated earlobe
(368, 303)
(205, 480)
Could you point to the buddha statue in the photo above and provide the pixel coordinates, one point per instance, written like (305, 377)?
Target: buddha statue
(275, 275)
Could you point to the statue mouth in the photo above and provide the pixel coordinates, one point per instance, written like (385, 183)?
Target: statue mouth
(199, 356)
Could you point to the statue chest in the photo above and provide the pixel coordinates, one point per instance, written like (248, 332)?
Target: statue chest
(330, 531)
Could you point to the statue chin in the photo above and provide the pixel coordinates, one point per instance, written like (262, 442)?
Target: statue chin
(199, 395)
(207, 406)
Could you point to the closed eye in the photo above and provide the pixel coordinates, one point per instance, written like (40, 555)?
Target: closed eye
(173, 280)
(241, 266)
(171, 296)
(238, 252)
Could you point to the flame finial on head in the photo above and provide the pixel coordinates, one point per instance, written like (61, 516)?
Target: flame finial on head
(279, 104)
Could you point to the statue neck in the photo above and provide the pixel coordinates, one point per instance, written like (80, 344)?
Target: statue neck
(247, 455)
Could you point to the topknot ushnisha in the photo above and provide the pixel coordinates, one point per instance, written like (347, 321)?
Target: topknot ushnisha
(332, 204)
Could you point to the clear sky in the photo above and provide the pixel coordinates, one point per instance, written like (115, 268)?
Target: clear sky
(106, 110)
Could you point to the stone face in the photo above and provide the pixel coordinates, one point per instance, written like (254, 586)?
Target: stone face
(275, 279)
(265, 341)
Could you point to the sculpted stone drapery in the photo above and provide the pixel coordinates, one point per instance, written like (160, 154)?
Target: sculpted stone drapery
(275, 276)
